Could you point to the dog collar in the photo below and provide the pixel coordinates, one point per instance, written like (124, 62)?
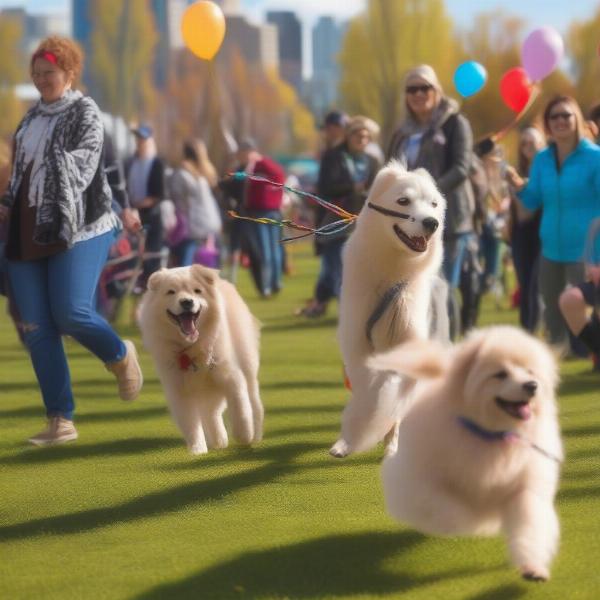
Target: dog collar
(388, 212)
(489, 435)
(186, 362)
(485, 434)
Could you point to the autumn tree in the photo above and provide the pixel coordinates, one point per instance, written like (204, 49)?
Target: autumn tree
(10, 74)
(582, 42)
(381, 44)
(122, 54)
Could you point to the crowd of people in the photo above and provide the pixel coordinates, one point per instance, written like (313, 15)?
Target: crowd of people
(68, 196)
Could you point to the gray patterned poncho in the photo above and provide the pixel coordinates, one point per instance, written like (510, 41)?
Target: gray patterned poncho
(64, 143)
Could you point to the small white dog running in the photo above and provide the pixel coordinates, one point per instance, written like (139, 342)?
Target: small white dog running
(479, 450)
(390, 264)
(205, 345)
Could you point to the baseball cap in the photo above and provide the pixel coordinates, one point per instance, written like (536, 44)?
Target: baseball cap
(143, 131)
(335, 117)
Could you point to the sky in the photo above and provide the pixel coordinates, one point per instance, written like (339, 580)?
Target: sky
(557, 13)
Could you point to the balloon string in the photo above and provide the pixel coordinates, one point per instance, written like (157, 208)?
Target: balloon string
(329, 229)
(496, 137)
(338, 210)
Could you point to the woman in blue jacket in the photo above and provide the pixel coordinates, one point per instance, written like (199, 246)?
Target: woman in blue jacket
(565, 183)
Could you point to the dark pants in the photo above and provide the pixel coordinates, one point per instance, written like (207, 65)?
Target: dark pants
(330, 276)
(525, 246)
(152, 222)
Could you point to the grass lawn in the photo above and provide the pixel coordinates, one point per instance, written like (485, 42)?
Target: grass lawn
(126, 513)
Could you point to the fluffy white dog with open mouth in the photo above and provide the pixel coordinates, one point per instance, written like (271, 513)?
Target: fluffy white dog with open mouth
(390, 264)
(205, 345)
(479, 450)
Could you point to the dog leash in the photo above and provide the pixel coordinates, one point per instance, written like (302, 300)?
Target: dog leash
(390, 296)
(489, 435)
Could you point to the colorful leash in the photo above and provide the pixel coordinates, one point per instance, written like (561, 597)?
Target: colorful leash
(347, 218)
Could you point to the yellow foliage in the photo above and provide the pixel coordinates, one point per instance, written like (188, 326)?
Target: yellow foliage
(10, 74)
(582, 41)
(123, 42)
(381, 44)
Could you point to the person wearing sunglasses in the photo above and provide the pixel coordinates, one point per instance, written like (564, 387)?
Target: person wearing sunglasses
(565, 183)
(436, 137)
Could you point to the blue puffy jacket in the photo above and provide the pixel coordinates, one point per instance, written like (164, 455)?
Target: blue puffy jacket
(569, 199)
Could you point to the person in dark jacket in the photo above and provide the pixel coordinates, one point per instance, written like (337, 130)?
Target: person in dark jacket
(436, 136)
(145, 173)
(345, 176)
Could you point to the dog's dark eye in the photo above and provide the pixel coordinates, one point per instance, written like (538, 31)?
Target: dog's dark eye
(434, 204)
(500, 375)
(403, 201)
(197, 291)
(170, 292)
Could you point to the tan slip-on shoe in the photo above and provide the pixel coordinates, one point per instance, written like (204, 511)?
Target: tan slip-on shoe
(58, 431)
(128, 373)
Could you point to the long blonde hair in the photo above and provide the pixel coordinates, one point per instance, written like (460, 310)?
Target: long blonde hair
(196, 160)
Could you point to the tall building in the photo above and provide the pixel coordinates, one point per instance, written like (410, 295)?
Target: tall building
(35, 27)
(327, 38)
(256, 43)
(289, 34)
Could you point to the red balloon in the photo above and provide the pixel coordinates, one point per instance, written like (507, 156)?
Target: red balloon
(515, 89)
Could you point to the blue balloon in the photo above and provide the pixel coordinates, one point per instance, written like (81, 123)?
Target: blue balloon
(469, 78)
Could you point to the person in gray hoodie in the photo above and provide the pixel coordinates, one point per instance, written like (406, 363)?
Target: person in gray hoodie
(436, 137)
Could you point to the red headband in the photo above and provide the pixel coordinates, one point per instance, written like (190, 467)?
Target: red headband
(46, 55)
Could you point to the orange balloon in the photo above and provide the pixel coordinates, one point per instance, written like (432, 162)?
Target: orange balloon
(203, 28)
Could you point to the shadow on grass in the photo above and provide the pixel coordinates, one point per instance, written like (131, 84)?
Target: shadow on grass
(591, 493)
(302, 385)
(36, 456)
(336, 566)
(312, 409)
(332, 428)
(510, 591)
(166, 501)
(274, 453)
(299, 325)
(581, 383)
(584, 431)
(92, 417)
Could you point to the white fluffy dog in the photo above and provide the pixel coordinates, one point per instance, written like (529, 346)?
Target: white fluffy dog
(479, 449)
(205, 345)
(390, 263)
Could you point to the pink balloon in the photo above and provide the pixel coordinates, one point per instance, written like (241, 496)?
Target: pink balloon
(541, 52)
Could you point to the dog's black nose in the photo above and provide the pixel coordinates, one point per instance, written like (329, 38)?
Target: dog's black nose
(186, 304)
(430, 224)
(530, 387)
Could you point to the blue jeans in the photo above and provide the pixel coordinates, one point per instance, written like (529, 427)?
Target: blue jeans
(56, 296)
(330, 275)
(184, 252)
(265, 238)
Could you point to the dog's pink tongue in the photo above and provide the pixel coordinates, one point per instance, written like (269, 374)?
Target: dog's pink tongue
(187, 323)
(524, 411)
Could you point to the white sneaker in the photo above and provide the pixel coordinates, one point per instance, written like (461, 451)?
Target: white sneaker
(58, 431)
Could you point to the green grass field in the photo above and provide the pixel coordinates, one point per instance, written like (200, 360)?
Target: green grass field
(126, 513)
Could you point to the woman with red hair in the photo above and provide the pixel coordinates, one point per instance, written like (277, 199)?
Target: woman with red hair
(60, 227)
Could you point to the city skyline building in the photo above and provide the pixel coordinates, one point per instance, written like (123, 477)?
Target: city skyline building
(289, 36)
(327, 37)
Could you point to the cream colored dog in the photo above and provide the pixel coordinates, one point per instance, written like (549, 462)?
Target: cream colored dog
(389, 266)
(479, 449)
(205, 345)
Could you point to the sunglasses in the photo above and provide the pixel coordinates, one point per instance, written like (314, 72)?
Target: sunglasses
(561, 115)
(413, 89)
